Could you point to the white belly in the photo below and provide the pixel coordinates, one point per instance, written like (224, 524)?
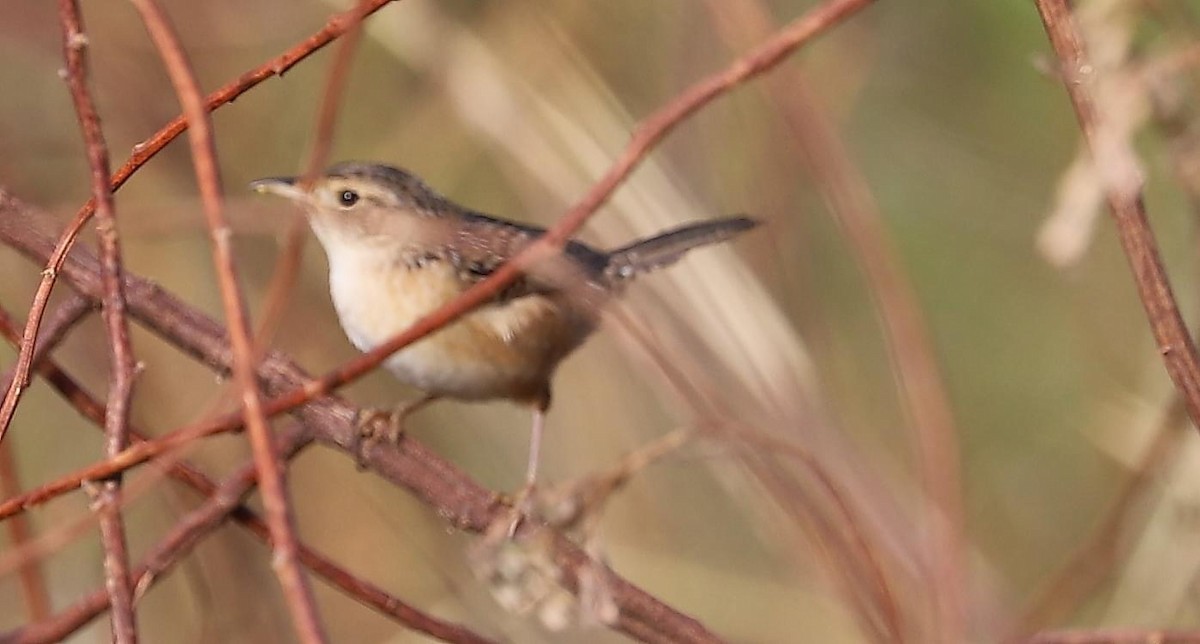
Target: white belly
(489, 353)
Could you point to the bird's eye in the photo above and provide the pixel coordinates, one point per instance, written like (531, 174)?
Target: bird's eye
(348, 198)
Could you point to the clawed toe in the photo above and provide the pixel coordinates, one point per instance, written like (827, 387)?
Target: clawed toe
(373, 426)
(395, 428)
(367, 434)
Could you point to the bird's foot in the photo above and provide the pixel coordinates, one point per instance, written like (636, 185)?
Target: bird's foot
(375, 425)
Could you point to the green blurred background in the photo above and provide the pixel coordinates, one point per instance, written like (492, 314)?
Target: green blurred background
(512, 108)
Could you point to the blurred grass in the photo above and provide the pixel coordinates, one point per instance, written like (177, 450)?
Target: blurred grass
(962, 141)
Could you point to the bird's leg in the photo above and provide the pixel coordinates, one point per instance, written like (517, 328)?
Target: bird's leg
(368, 422)
(522, 503)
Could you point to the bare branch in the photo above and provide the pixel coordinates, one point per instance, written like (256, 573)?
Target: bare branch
(177, 543)
(270, 468)
(92, 409)
(123, 364)
(1117, 165)
(30, 573)
(283, 277)
(147, 149)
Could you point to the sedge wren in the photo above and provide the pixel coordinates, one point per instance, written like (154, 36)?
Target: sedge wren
(398, 250)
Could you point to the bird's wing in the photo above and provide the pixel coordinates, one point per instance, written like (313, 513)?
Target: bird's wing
(485, 243)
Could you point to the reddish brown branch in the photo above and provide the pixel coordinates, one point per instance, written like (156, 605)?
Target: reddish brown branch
(177, 543)
(451, 495)
(1115, 161)
(331, 99)
(90, 408)
(854, 208)
(123, 362)
(143, 152)
(66, 316)
(29, 572)
(283, 277)
(285, 561)
(856, 555)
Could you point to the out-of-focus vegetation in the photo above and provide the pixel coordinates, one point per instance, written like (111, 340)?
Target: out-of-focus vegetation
(513, 107)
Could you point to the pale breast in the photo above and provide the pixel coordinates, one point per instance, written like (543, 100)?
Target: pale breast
(502, 350)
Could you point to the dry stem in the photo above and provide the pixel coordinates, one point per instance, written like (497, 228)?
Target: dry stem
(1115, 161)
(124, 364)
(287, 567)
(143, 152)
(87, 406)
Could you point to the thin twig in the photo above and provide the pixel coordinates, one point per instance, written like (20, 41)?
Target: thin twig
(286, 270)
(123, 363)
(143, 152)
(335, 86)
(193, 527)
(287, 567)
(92, 409)
(177, 543)
(451, 495)
(1115, 161)
(65, 316)
(287, 267)
(857, 213)
(859, 559)
(30, 573)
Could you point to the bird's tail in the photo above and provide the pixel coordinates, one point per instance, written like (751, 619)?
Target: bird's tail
(665, 249)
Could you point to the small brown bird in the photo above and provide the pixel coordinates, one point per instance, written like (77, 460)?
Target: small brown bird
(398, 250)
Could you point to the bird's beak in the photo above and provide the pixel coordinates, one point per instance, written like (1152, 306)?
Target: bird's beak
(282, 186)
